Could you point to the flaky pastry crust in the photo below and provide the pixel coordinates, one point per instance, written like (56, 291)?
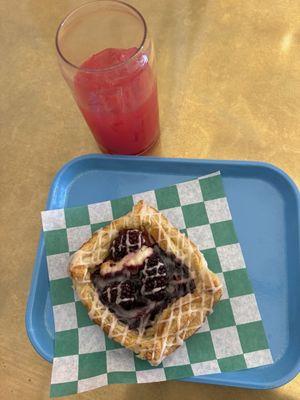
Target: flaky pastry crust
(175, 323)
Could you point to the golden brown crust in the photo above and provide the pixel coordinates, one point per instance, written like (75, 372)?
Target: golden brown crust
(178, 321)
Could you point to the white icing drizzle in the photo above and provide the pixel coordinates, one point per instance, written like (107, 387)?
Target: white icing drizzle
(130, 260)
(119, 294)
(142, 328)
(157, 289)
(108, 294)
(112, 327)
(128, 244)
(164, 343)
(120, 300)
(103, 320)
(179, 341)
(124, 335)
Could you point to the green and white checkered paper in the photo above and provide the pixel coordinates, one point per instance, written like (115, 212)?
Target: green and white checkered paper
(232, 338)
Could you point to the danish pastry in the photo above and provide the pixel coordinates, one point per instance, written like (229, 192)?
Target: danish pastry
(144, 283)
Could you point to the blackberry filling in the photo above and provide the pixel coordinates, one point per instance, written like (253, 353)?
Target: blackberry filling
(129, 240)
(139, 279)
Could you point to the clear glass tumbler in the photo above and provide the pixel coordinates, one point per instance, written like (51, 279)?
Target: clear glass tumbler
(107, 58)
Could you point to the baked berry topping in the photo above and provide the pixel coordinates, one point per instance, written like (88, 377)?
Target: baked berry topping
(139, 279)
(120, 293)
(110, 293)
(128, 241)
(155, 278)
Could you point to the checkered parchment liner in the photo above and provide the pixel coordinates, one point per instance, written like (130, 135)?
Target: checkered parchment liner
(232, 338)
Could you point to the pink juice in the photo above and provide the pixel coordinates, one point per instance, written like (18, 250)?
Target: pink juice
(117, 96)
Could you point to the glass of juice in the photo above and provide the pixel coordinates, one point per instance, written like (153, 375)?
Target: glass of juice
(107, 58)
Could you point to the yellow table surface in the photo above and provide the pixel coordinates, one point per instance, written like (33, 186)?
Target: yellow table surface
(229, 84)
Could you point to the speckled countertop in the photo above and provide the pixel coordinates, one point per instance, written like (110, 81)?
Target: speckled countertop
(229, 88)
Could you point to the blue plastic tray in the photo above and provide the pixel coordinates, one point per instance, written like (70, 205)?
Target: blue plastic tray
(265, 207)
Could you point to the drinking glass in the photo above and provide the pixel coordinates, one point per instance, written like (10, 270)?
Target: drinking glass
(106, 56)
